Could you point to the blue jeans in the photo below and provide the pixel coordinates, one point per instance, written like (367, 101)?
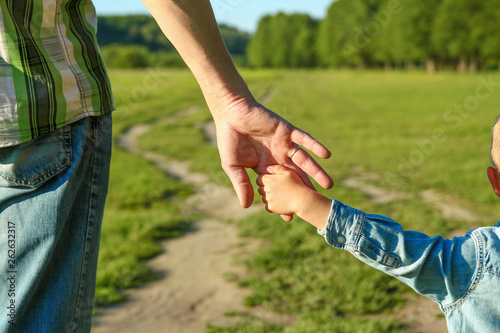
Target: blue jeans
(52, 194)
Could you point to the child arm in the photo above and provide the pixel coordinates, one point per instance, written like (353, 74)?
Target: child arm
(438, 268)
(283, 192)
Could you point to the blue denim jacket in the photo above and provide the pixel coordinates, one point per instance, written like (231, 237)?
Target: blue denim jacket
(461, 275)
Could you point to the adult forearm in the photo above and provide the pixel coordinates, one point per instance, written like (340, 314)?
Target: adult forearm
(248, 134)
(191, 27)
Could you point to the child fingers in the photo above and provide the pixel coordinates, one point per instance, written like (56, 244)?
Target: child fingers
(264, 179)
(259, 180)
(278, 170)
(266, 205)
(261, 190)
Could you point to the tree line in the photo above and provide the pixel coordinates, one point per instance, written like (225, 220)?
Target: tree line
(136, 41)
(449, 34)
(432, 34)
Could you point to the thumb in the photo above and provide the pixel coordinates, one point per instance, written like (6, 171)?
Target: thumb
(278, 170)
(242, 185)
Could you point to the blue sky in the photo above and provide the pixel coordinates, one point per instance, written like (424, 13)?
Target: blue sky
(243, 14)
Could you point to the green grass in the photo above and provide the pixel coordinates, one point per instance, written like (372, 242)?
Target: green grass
(142, 207)
(397, 125)
(143, 203)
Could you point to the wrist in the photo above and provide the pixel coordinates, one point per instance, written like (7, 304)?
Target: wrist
(315, 209)
(226, 91)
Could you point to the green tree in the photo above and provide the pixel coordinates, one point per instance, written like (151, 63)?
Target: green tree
(303, 52)
(459, 32)
(126, 56)
(406, 41)
(489, 46)
(132, 29)
(281, 40)
(347, 34)
(236, 41)
(259, 48)
(390, 45)
(284, 41)
(143, 30)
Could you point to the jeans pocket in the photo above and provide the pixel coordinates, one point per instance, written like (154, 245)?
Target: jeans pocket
(32, 163)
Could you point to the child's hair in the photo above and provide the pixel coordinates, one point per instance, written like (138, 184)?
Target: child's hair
(495, 144)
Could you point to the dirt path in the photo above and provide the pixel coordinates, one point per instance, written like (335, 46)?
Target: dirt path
(193, 290)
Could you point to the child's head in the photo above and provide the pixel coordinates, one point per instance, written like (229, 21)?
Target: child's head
(493, 172)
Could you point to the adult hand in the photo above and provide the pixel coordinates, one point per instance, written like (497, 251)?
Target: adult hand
(251, 136)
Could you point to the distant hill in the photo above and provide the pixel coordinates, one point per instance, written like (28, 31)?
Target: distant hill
(142, 30)
(430, 34)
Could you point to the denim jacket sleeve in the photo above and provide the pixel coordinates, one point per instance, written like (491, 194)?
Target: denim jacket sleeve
(438, 268)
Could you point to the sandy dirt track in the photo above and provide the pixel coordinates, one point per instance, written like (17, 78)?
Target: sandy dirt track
(193, 290)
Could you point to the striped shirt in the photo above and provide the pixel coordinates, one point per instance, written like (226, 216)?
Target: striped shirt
(51, 71)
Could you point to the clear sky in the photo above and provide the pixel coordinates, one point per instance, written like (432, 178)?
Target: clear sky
(243, 14)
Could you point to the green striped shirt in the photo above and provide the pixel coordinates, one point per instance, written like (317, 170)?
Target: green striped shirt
(51, 71)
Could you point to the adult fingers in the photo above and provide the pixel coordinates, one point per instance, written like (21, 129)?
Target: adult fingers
(241, 184)
(306, 163)
(286, 218)
(304, 177)
(307, 141)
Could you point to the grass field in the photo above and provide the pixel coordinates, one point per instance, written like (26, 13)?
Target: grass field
(415, 131)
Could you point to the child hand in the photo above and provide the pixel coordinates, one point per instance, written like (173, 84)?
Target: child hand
(282, 190)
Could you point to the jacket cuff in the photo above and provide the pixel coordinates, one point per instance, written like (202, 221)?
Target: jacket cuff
(344, 226)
